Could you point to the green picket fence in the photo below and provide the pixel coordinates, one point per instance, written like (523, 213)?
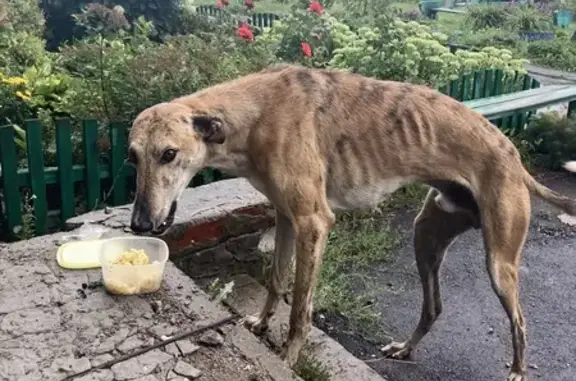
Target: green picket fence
(96, 183)
(103, 179)
(260, 20)
(491, 82)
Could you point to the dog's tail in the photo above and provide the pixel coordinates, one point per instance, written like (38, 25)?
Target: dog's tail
(567, 204)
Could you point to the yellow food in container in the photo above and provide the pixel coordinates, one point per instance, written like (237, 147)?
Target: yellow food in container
(133, 265)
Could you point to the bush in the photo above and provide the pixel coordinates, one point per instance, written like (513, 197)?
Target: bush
(23, 16)
(286, 37)
(524, 17)
(116, 77)
(496, 37)
(554, 139)
(559, 54)
(486, 16)
(408, 51)
(527, 18)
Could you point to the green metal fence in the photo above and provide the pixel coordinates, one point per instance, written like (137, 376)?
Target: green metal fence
(64, 190)
(261, 20)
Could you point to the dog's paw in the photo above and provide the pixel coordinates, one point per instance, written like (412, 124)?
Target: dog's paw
(517, 377)
(398, 351)
(255, 324)
(289, 354)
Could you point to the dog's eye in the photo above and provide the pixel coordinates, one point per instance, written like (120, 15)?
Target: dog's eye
(168, 155)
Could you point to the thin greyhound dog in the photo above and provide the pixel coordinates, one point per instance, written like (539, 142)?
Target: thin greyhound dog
(319, 141)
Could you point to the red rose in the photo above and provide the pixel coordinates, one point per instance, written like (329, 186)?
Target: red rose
(249, 4)
(245, 32)
(306, 49)
(316, 7)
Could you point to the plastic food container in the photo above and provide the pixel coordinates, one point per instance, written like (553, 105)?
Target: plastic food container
(133, 279)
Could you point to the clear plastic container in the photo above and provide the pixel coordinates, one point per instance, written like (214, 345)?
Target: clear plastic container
(130, 279)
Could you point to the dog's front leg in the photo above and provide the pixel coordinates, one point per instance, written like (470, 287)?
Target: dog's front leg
(282, 257)
(311, 233)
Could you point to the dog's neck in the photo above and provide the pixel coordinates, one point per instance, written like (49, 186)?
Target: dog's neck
(240, 109)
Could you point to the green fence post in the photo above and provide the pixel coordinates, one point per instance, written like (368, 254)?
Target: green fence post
(522, 117)
(571, 109)
(488, 83)
(36, 173)
(497, 90)
(91, 162)
(64, 162)
(534, 84)
(477, 85)
(509, 87)
(118, 156)
(465, 93)
(10, 183)
(454, 86)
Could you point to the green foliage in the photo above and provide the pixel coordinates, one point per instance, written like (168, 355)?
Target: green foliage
(523, 17)
(356, 244)
(409, 51)
(485, 16)
(310, 368)
(23, 16)
(559, 54)
(553, 137)
(496, 37)
(527, 18)
(286, 37)
(357, 13)
(118, 76)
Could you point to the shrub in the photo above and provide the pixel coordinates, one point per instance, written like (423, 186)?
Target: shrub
(116, 77)
(23, 16)
(559, 54)
(285, 38)
(554, 139)
(523, 17)
(408, 51)
(486, 16)
(527, 18)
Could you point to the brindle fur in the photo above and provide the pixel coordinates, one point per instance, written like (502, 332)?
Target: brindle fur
(318, 141)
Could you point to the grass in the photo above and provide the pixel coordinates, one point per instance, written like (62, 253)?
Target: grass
(310, 369)
(356, 246)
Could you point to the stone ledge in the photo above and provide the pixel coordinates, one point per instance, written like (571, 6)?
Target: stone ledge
(206, 216)
(249, 296)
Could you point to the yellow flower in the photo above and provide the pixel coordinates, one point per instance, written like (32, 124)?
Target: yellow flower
(14, 81)
(24, 96)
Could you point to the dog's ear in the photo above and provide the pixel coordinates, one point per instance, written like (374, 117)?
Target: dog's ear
(211, 128)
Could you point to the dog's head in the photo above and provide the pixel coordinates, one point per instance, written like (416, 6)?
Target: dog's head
(168, 144)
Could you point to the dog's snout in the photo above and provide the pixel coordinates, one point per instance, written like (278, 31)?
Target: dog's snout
(141, 222)
(141, 225)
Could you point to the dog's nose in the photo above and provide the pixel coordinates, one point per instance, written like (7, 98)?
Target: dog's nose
(141, 221)
(141, 226)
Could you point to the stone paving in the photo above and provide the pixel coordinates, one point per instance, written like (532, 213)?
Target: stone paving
(56, 323)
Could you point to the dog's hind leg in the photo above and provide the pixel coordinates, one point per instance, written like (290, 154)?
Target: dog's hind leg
(505, 225)
(281, 259)
(434, 231)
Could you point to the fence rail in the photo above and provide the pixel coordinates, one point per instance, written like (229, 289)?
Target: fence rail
(103, 178)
